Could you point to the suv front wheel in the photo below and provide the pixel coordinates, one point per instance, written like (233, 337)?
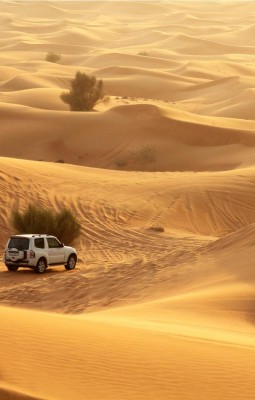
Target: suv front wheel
(71, 262)
(41, 266)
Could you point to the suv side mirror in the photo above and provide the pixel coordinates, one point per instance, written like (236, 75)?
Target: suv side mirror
(62, 245)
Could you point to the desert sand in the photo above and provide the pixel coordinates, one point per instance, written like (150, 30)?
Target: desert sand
(146, 314)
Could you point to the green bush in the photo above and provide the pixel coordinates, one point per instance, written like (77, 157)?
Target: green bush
(86, 91)
(145, 154)
(36, 219)
(52, 57)
(120, 163)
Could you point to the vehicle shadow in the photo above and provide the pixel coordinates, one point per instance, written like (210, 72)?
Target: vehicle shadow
(26, 275)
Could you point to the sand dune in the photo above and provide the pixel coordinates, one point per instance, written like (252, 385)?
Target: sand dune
(129, 60)
(134, 9)
(240, 106)
(214, 70)
(141, 143)
(42, 98)
(188, 44)
(192, 333)
(167, 201)
(161, 178)
(78, 36)
(242, 36)
(30, 81)
(125, 361)
(7, 73)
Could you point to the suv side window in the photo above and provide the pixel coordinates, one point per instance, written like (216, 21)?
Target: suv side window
(39, 243)
(53, 243)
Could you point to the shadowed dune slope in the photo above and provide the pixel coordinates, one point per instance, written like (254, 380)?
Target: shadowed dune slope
(125, 357)
(138, 136)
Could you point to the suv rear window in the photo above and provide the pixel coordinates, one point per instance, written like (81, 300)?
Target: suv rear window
(18, 243)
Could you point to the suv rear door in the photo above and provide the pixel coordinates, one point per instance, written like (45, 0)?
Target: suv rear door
(56, 251)
(17, 248)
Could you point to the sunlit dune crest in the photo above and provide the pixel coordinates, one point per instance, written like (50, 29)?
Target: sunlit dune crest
(161, 177)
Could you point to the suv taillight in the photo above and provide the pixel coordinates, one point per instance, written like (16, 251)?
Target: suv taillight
(32, 254)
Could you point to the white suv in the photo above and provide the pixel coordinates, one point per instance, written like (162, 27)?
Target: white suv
(37, 252)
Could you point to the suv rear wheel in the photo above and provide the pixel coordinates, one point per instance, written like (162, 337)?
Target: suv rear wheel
(12, 267)
(71, 262)
(41, 266)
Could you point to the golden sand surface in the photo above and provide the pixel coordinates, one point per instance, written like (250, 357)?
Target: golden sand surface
(145, 314)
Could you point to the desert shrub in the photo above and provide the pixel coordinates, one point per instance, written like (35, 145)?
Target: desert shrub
(145, 154)
(143, 53)
(67, 226)
(52, 57)
(157, 228)
(86, 91)
(36, 219)
(120, 163)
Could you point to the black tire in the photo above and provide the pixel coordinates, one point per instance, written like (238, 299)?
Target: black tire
(71, 262)
(12, 267)
(41, 266)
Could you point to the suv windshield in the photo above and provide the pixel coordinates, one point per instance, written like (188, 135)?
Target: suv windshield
(19, 243)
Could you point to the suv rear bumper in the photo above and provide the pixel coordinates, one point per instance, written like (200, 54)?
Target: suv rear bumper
(20, 263)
